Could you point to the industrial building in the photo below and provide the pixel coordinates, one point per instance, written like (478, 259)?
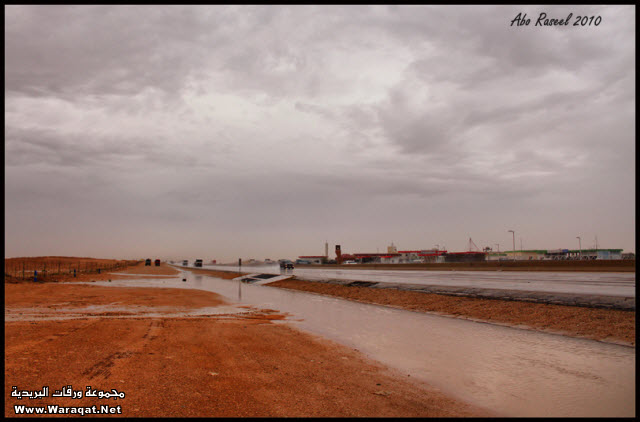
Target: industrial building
(319, 259)
(557, 254)
(419, 257)
(394, 256)
(585, 254)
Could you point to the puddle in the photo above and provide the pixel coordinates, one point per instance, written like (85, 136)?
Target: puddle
(131, 311)
(510, 371)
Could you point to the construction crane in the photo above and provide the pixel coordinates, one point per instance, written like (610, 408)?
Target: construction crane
(473, 247)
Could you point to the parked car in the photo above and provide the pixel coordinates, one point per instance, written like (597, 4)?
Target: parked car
(157, 262)
(350, 262)
(147, 262)
(185, 262)
(197, 263)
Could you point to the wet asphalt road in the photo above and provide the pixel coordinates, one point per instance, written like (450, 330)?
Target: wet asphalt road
(601, 290)
(607, 284)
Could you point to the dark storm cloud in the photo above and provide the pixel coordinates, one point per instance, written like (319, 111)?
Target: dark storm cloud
(46, 146)
(326, 119)
(62, 50)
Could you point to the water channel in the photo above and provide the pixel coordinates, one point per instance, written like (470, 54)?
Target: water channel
(511, 371)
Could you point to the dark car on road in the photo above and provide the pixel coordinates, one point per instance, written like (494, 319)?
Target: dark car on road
(157, 262)
(147, 262)
(286, 265)
(197, 263)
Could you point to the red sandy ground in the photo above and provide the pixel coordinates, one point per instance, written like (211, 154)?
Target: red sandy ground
(235, 365)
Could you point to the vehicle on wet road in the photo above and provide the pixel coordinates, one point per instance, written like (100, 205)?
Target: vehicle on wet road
(286, 264)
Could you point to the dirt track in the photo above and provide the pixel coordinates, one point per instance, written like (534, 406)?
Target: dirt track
(234, 364)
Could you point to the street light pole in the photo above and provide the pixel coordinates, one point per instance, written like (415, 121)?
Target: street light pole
(579, 245)
(514, 243)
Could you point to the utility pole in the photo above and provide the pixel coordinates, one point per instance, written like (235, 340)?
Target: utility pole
(579, 245)
(514, 243)
(498, 245)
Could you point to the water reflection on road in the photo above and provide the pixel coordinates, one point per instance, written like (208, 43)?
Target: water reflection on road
(608, 284)
(513, 372)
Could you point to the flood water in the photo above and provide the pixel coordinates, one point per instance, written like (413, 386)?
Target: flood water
(511, 371)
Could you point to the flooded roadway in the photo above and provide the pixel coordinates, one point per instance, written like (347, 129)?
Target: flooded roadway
(511, 371)
(607, 284)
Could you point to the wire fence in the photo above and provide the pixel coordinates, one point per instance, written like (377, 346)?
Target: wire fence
(26, 269)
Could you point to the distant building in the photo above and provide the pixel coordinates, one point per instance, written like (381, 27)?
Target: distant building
(393, 256)
(585, 254)
(312, 259)
(390, 259)
(409, 256)
(433, 256)
(599, 253)
(526, 255)
(369, 258)
(465, 257)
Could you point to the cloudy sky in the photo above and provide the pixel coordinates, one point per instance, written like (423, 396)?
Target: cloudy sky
(221, 132)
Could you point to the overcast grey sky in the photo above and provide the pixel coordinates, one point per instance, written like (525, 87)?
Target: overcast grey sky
(221, 132)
